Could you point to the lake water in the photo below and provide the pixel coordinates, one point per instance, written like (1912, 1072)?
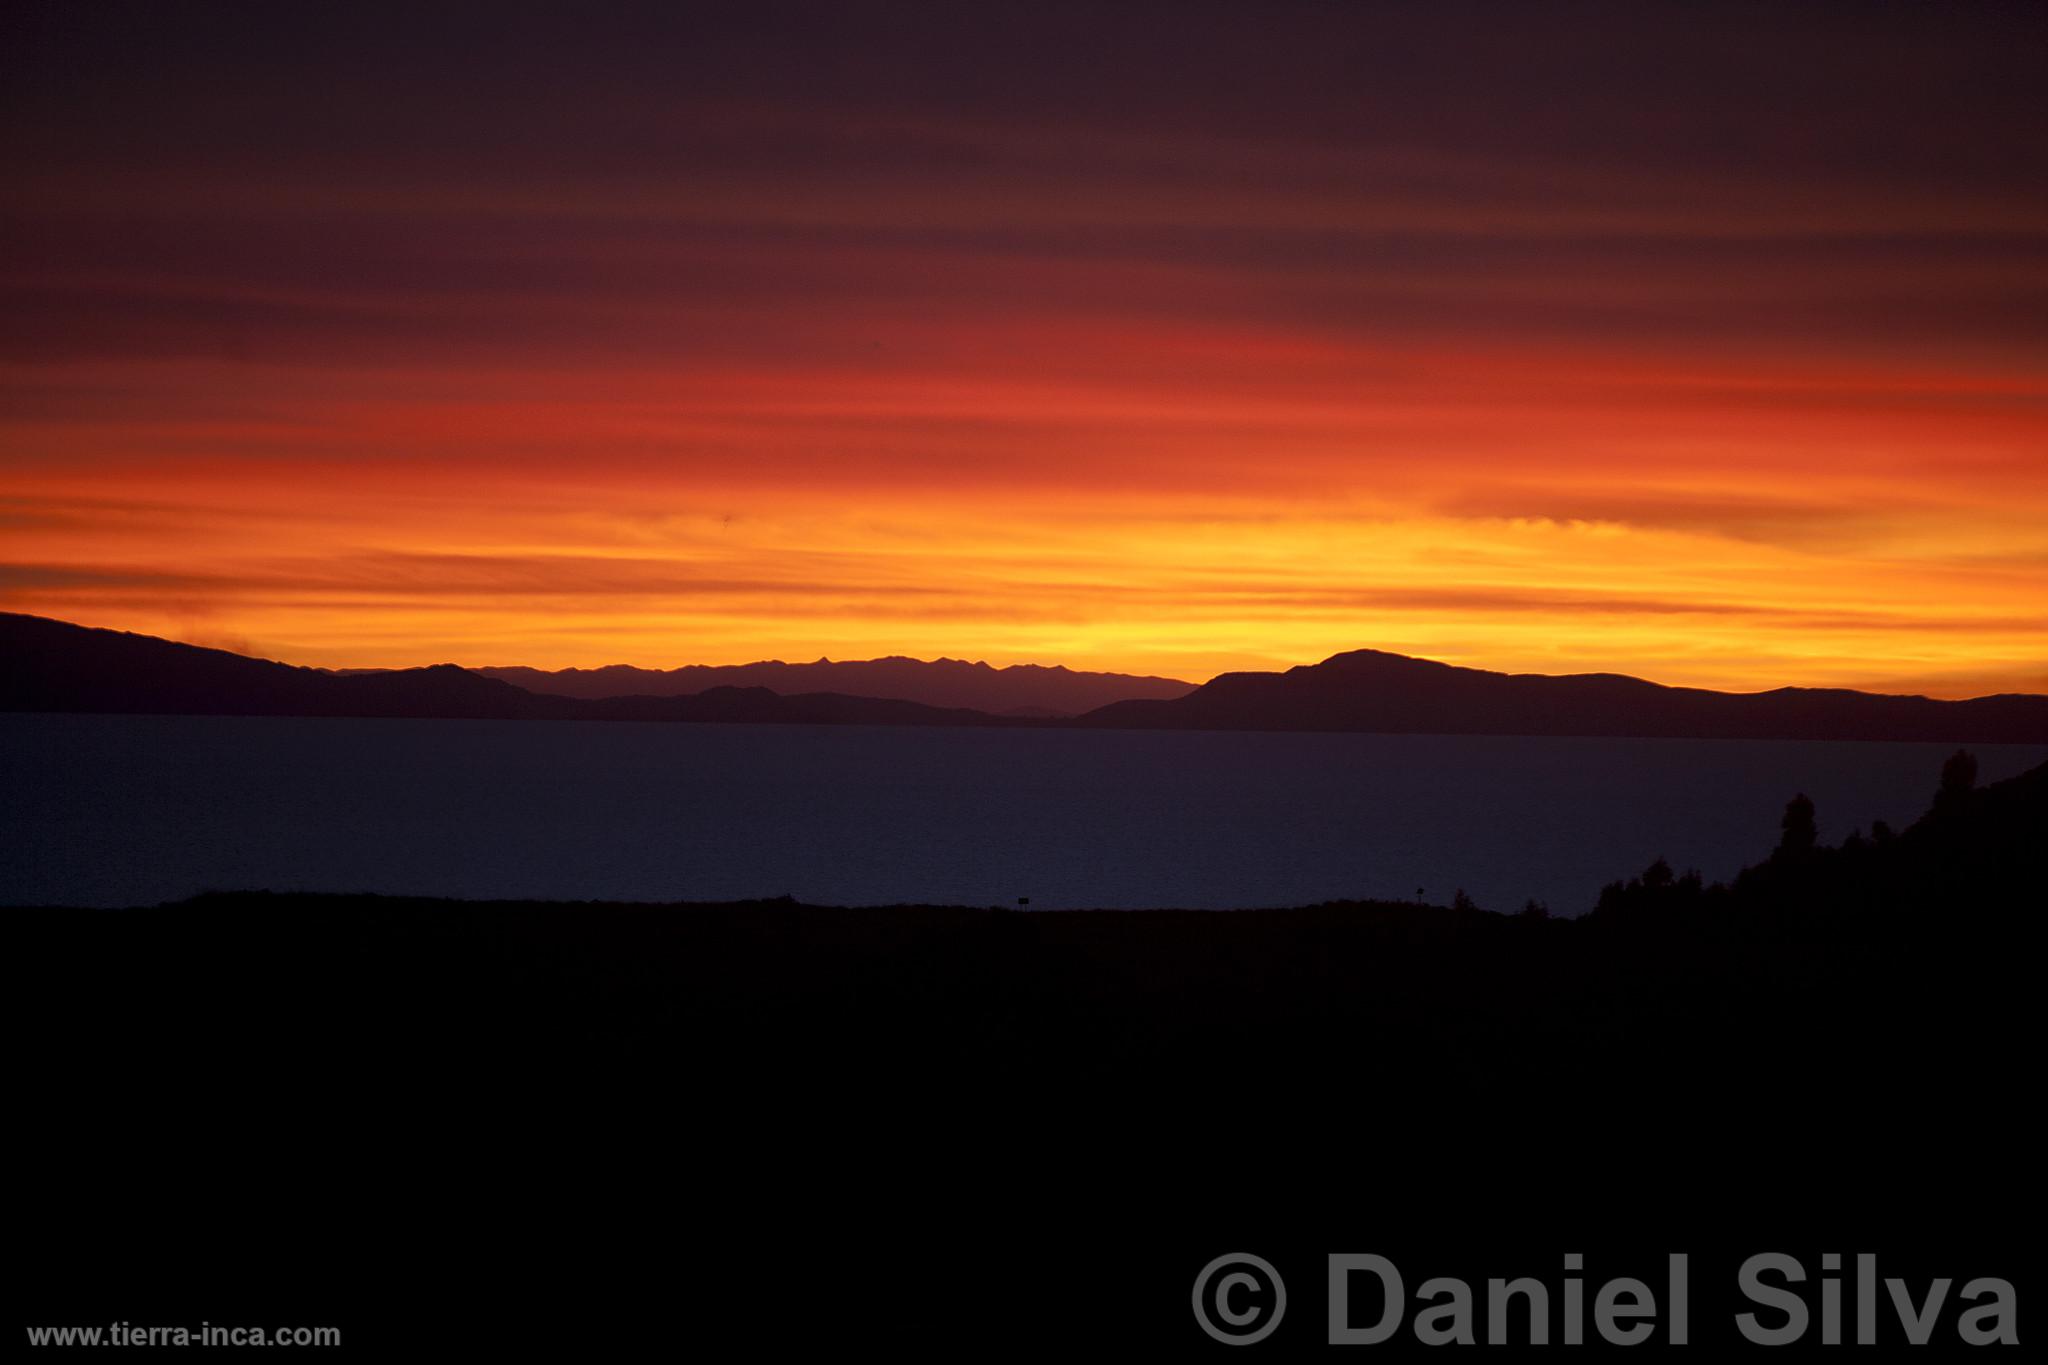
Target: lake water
(126, 810)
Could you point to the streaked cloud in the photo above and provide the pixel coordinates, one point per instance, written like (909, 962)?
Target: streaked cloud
(1128, 340)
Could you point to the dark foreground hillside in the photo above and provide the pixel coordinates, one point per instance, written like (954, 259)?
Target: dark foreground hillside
(922, 1124)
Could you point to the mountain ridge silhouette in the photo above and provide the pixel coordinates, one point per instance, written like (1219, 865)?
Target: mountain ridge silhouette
(48, 665)
(1019, 689)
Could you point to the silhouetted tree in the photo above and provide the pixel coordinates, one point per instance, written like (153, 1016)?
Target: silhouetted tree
(1657, 875)
(1958, 780)
(1799, 833)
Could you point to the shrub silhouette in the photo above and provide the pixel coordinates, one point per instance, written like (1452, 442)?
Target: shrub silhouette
(1656, 887)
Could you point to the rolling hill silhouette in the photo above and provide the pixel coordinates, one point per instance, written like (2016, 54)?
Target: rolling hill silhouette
(1367, 690)
(50, 665)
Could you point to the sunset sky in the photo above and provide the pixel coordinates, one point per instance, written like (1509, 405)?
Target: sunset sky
(1706, 343)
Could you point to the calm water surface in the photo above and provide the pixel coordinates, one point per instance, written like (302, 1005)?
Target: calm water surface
(124, 810)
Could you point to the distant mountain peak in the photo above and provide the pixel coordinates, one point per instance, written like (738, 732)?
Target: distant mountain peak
(1379, 660)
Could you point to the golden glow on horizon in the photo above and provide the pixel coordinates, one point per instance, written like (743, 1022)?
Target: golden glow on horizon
(1482, 511)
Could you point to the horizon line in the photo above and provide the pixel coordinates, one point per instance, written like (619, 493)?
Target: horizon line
(1278, 668)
